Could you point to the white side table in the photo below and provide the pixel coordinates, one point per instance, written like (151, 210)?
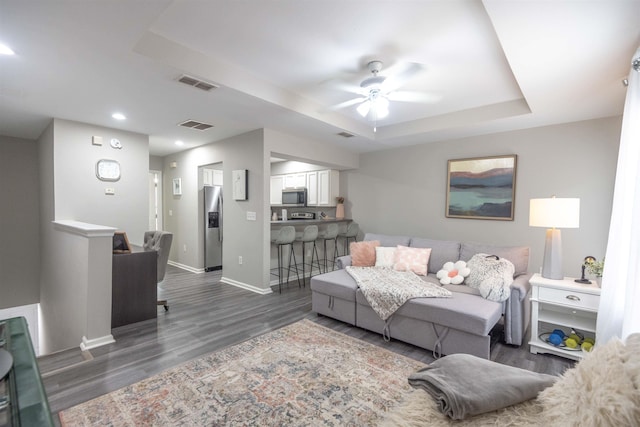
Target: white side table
(562, 304)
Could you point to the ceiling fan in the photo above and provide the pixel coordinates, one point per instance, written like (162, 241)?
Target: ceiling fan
(376, 91)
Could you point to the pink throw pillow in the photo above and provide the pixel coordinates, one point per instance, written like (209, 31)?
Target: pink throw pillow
(363, 254)
(412, 259)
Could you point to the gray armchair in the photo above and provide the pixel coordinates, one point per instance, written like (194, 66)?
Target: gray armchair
(159, 241)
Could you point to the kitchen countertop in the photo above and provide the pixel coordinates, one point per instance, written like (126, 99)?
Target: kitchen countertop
(309, 221)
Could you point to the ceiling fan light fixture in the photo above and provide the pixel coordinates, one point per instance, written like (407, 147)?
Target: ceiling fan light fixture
(363, 109)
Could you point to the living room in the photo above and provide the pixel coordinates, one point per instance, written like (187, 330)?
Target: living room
(394, 183)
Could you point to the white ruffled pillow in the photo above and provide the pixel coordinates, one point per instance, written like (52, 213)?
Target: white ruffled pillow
(385, 256)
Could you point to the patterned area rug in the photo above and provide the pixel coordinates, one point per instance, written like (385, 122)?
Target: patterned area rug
(301, 375)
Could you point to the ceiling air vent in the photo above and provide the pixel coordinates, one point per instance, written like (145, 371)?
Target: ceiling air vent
(346, 134)
(192, 81)
(195, 125)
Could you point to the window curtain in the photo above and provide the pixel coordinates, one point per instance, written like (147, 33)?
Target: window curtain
(621, 275)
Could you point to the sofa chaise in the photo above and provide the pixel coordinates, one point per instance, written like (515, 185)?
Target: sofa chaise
(460, 324)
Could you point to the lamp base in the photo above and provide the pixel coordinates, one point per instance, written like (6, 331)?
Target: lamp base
(552, 262)
(585, 281)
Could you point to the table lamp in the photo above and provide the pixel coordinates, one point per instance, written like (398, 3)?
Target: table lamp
(554, 214)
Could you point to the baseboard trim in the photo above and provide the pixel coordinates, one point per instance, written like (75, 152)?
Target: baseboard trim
(186, 267)
(246, 286)
(88, 344)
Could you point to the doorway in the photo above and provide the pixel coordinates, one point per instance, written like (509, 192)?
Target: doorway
(155, 201)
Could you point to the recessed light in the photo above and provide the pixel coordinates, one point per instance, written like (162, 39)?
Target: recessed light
(179, 143)
(6, 50)
(118, 116)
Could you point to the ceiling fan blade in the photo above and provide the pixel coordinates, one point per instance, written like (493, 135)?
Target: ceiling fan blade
(405, 96)
(399, 74)
(348, 103)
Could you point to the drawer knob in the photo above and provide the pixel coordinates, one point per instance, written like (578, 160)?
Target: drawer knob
(573, 298)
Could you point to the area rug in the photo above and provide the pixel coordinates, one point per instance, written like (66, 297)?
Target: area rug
(301, 375)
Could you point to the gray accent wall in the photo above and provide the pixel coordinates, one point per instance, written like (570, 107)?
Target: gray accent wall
(402, 191)
(19, 219)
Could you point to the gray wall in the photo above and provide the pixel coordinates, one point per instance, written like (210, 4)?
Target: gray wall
(403, 190)
(79, 194)
(70, 190)
(19, 219)
(155, 163)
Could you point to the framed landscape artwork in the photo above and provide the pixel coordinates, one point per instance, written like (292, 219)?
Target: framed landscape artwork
(481, 188)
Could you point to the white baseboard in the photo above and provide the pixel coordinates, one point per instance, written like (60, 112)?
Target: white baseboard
(88, 344)
(246, 286)
(186, 267)
(31, 314)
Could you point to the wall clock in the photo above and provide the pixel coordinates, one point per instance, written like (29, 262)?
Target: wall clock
(108, 170)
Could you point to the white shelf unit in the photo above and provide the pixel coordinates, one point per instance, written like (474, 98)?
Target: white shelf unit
(562, 304)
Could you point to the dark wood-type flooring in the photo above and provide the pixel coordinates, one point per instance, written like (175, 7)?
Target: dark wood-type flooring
(206, 316)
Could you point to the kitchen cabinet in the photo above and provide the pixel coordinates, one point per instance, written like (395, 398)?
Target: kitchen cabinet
(212, 177)
(277, 184)
(312, 188)
(561, 304)
(328, 187)
(295, 180)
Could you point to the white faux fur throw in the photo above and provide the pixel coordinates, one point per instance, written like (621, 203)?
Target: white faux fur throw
(491, 275)
(603, 389)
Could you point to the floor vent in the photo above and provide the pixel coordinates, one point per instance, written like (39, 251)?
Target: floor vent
(192, 124)
(192, 81)
(346, 134)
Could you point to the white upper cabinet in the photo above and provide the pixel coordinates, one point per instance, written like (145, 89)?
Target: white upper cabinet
(277, 184)
(328, 187)
(295, 180)
(312, 188)
(211, 177)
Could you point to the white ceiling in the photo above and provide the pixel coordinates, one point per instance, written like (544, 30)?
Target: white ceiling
(493, 65)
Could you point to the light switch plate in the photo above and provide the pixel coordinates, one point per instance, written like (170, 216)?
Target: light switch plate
(110, 191)
(251, 216)
(96, 140)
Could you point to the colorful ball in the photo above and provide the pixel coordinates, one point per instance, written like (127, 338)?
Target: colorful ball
(571, 343)
(555, 339)
(587, 346)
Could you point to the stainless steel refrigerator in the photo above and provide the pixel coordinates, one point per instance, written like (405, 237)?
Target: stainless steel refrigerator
(212, 228)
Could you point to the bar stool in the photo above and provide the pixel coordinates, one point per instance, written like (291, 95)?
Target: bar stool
(309, 235)
(331, 233)
(285, 237)
(351, 233)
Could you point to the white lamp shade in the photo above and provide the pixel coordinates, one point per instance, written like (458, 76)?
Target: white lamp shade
(554, 213)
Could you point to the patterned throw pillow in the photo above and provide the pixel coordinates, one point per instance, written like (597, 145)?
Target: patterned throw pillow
(385, 256)
(412, 259)
(363, 254)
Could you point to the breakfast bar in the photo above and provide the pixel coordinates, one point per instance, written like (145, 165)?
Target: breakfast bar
(299, 225)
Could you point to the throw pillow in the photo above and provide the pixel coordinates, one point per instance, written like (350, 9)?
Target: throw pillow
(411, 259)
(363, 254)
(453, 273)
(385, 256)
(491, 275)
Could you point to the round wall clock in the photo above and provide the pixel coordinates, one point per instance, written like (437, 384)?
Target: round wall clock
(108, 170)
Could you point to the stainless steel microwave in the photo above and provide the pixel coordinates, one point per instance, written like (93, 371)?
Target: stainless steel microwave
(294, 197)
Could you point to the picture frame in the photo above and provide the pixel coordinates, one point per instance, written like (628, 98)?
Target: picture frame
(177, 186)
(121, 243)
(240, 187)
(481, 188)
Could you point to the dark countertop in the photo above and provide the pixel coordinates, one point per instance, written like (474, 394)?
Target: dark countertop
(309, 221)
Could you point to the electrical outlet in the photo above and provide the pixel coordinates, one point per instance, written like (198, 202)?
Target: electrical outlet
(184, 248)
(170, 212)
(240, 260)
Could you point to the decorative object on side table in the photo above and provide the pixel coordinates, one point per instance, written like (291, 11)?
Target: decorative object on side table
(596, 268)
(587, 260)
(340, 207)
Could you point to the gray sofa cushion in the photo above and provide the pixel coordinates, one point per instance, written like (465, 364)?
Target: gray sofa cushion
(462, 311)
(388, 240)
(441, 251)
(518, 255)
(336, 283)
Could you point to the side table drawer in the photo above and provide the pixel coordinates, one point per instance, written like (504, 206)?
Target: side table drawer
(574, 299)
